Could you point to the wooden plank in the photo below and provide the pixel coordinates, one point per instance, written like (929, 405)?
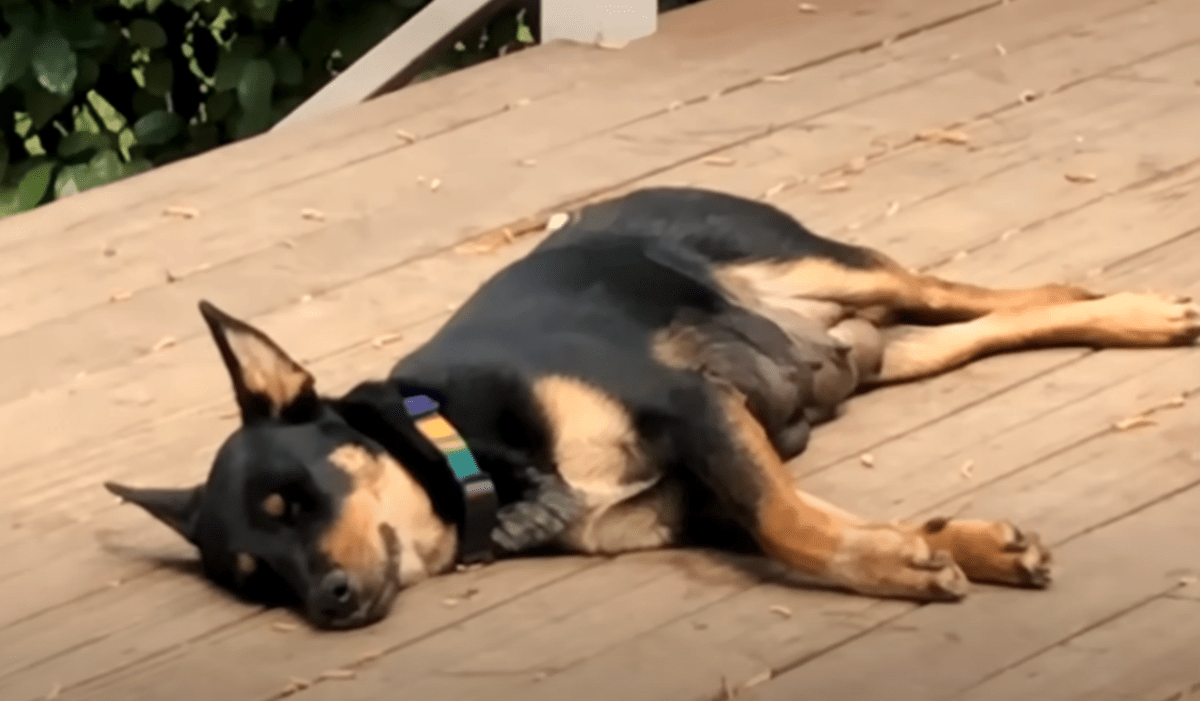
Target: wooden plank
(745, 640)
(71, 503)
(701, 50)
(1148, 653)
(394, 61)
(465, 162)
(560, 633)
(1114, 568)
(252, 278)
(305, 316)
(259, 641)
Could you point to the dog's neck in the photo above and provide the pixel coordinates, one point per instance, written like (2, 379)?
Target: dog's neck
(376, 409)
(427, 544)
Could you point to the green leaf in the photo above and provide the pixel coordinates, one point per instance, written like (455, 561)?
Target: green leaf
(233, 62)
(21, 14)
(89, 73)
(203, 136)
(81, 145)
(264, 10)
(187, 4)
(159, 75)
(157, 128)
(33, 186)
(106, 167)
(152, 5)
(289, 70)
(42, 106)
(103, 168)
(254, 95)
(54, 64)
(138, 165)
(217, 106)
(147, 33)
(80, 27)
(69, 180)
(16, 50)
(8, 201)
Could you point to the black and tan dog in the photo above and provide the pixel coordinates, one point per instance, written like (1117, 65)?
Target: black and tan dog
(637, 381)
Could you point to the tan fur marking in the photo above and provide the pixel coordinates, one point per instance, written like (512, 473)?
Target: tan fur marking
(245, 565)
(790, 529)
(268, 371)
(385, 493)
(1121, 320)
(274, 505)
(990, 551)
(889, 285)
(598, 454)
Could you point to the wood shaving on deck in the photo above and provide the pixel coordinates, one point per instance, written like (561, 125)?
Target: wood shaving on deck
(780, 610)
(835, 186)
(944, 136)
(777, 188)
(761, 678)
(488, 243)
(1145, 418)
(718, 161)
(1080, 177)
(855, 165)
(807, 7)
(384, 339)
(162, 344)
(406, 136)
(312, 214)
(867, 460)
(181, 211)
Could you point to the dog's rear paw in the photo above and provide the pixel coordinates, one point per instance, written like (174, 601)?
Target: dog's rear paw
(1151, 319)
(889, 562)
(992, 551)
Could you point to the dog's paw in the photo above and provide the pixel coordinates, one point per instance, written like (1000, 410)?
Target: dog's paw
(992, 551)
(1147, 319)
(888, 561)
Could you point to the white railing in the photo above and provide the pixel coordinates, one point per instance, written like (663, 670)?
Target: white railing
(393, 61)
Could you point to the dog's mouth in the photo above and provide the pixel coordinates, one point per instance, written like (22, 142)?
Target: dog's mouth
(375, 607)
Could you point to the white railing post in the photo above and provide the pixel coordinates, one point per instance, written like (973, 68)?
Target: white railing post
(608, 22)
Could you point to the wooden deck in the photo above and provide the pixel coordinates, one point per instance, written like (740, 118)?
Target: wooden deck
(350, 241)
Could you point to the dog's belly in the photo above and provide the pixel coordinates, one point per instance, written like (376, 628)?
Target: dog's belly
(614, 522)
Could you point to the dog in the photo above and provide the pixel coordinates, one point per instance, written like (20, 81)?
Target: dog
(637, 381)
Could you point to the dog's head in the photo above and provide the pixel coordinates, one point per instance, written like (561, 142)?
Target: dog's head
(300, 507)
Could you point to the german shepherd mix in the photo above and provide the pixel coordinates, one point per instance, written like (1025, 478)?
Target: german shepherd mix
(637, 381)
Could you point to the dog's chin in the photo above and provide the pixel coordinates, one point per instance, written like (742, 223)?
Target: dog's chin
(371, 612)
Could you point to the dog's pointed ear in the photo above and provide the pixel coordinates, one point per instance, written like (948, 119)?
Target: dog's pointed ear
(266, 382)
(178, 508)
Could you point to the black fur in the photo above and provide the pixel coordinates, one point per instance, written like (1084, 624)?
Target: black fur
(587, 304)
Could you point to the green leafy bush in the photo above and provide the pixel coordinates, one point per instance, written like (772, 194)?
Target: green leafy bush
(94, 90)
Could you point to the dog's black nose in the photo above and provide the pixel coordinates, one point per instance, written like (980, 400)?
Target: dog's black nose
(335, 597)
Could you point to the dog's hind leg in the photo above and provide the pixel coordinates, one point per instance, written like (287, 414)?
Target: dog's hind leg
(1121, 320)
(864, 279)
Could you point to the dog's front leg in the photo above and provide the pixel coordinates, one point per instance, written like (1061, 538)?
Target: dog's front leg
(548, 508)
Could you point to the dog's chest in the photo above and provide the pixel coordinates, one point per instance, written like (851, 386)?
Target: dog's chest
(626, 503)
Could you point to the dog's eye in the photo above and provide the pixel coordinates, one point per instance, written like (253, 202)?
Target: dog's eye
(288, 507)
